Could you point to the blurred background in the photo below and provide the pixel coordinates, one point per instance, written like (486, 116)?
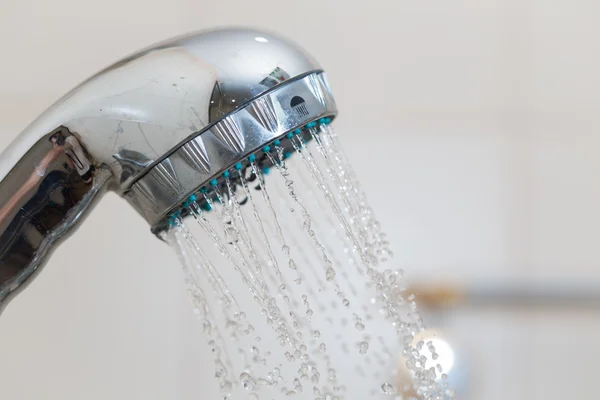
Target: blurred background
(484, 115)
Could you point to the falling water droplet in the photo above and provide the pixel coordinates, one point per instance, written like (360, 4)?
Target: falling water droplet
(330, 274)
(388, 389)
(332, 374)
(292, 264)
(247, 381)
(363, 347)
(315, 378)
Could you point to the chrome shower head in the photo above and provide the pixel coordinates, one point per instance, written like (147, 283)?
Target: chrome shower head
(155, 127)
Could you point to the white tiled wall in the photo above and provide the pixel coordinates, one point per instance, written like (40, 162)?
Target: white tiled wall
(483, 114)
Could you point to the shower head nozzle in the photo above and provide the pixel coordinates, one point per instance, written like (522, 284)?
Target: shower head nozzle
(155, 127)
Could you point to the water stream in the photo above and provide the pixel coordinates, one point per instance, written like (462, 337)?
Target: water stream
(293, 279)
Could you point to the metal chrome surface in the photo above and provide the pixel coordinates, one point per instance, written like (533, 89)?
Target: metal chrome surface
(45, 195)
(232, 139)
(188, 106)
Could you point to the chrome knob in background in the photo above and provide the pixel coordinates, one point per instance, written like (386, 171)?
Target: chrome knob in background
(154, 127)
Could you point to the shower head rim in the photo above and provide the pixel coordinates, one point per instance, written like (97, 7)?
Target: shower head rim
(209, 126)
(208, 154)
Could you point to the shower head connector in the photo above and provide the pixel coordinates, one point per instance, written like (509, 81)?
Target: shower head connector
(155, 127)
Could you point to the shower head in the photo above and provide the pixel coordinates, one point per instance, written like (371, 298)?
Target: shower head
(156, 127)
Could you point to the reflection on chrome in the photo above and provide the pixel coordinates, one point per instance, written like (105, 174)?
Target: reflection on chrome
(51, 186)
